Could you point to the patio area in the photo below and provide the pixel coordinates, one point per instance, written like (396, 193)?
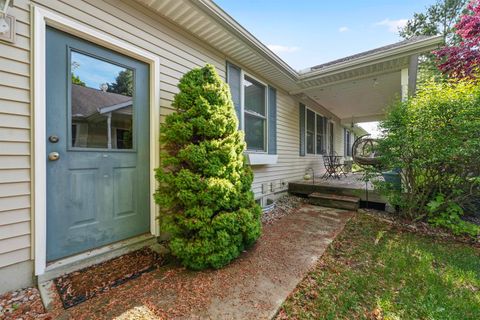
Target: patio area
(353, 184)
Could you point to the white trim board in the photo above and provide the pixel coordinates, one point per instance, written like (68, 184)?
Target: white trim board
(41, 19)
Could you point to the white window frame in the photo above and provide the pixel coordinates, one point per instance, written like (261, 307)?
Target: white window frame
(244, 74)
(315, 132)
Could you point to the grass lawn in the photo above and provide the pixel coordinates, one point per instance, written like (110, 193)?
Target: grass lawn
(376, 271)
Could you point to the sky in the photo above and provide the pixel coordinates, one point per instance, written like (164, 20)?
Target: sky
(305, 33)
(92, 71)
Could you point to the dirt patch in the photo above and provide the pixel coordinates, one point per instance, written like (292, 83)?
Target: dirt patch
(420, 227)
(84, 284)
(22, 304)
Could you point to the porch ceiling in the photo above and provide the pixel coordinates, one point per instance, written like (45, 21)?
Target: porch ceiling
(359, 88)
(359, 99)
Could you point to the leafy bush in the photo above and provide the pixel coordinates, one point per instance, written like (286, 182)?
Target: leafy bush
(434, 138)
(204, 189)
(446, 214)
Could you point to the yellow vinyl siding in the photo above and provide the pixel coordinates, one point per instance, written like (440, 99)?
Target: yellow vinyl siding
(15, 244)
(14, 216)
(7, 133)
(15, 160)
(13, 257)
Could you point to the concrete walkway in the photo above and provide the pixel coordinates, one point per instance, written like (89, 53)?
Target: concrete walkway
(253, 287)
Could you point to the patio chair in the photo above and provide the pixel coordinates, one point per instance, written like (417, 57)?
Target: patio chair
(342, 166)
(332, 167)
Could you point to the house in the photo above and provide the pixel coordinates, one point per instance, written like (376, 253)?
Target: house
(77, 155)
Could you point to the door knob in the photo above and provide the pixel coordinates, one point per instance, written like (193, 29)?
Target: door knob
(53, 156)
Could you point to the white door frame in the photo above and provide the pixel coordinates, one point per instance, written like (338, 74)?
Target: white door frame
(41, 19)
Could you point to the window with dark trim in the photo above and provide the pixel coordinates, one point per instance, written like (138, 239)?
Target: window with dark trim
(331, 146)
(256, 109)
(348, 142)
(255, 114)
(321, 135)
(314, 130)
(310, 131)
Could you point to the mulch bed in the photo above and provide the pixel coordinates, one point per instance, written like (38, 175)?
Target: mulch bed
(79, 286)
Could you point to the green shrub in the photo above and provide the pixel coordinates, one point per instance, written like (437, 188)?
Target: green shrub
(434, 138)
(446, 214)
(204, 191)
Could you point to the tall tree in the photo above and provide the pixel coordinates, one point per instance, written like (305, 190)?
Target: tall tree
(123, 83)
(76, 80)
(462, 60)
(438, 19)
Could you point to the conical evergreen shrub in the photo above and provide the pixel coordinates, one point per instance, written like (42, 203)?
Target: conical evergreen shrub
(204, 192)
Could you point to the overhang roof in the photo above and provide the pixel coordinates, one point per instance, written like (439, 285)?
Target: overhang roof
(367, 53)
(88, 101)
(213, 26)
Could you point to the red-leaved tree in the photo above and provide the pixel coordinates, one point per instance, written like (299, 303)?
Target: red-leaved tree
(463, 60)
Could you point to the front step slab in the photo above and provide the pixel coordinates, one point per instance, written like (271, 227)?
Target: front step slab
(334, 201)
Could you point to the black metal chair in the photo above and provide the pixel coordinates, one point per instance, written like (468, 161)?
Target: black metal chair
(332, 167)
(341, 166)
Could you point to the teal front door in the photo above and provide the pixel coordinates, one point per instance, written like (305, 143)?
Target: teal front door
(97, 131)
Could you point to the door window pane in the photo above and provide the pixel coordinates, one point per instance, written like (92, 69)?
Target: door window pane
(254, 132)
(254, 96)
(101, 103)
(310, 131)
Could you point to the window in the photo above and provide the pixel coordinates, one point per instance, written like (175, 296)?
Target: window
(321, 135)
(255, 114)
(101, 112)
(256, 109)
(310, 131)
(330, 138)
(348, 142)
(313, 132)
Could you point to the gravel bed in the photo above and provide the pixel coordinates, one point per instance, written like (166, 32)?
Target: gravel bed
(24, 304)
(283, 206)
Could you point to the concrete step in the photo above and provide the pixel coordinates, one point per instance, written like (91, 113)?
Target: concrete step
(334, 201)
